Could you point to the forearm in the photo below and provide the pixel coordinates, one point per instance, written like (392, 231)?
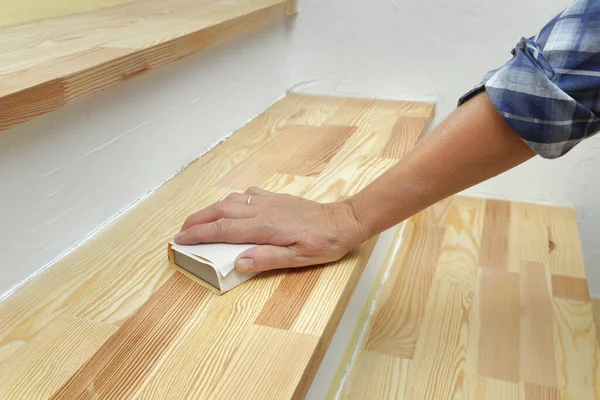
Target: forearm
(470, 146)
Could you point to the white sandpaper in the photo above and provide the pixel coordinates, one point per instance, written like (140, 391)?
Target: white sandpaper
(220, 256)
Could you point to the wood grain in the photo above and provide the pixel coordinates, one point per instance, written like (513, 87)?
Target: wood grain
(396, 146)
(50, 358)
(397, 321)
(53, 62)
(530, 233)
(377, 376)
(124, 361)
(206, 343)
(577, 358)
(494, 243)
(570, 288)
(536, 327)
(485, 388)
(285, 305)
(155, 334)
(564, 244)
(499, 318)
(511, 328)
(532, 391)
(286, 355)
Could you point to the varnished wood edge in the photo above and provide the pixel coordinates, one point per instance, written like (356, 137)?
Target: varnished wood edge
(15, 111)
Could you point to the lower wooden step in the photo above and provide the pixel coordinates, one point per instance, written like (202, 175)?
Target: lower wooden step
(111, 320)
(486, 299)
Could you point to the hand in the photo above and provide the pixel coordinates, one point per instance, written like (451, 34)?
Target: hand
(292, 231)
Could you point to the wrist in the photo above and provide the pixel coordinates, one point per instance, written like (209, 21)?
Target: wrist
(360, 218)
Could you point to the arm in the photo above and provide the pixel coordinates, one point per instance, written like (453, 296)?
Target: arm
(473, 144)
(470, 146)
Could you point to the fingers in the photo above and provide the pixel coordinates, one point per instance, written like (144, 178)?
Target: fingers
(226, 230)
(264, 258)
(221, 209)
(256, 191)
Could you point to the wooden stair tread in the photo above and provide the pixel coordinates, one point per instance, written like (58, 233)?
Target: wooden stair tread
(485, 299)
(50, 63)
(112, 319)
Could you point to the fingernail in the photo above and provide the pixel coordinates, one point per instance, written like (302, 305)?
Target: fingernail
(244, 264)
(179, 235)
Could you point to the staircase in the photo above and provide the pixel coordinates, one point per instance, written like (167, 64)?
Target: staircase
(476, 298)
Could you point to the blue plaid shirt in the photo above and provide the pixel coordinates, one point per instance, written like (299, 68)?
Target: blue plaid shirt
(549, 92)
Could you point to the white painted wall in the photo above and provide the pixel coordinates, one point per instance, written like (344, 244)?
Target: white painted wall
(422, 48)
(66, 173)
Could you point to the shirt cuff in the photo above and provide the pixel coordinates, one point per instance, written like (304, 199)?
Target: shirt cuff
(534, 103)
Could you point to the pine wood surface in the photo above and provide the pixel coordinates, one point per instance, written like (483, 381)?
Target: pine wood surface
(111, 320)
(50, 63)
(486, 299)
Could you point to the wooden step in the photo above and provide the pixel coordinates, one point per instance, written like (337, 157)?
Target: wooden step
(486, 299)
(112, 320)
(47, 64)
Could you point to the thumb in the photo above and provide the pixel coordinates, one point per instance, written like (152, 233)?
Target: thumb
(264, 258)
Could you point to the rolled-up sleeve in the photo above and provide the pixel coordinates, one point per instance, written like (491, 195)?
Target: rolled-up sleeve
(549, 92)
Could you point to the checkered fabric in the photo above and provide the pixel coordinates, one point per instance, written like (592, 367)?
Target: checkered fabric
(549, 92)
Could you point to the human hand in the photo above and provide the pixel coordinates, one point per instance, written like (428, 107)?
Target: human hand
(292, 231)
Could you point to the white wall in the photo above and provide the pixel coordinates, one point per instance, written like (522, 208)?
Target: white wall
(421, 48)
(66, 173)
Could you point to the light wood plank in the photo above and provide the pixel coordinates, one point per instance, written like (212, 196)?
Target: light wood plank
(397, 251)
(577, 357)
(459, 254)
(494, 244)
(367, 171)
(396, 147)
(570, 288)
(207, 341)
(49, 359)
(54, 62)
(242, 380)
(566, 256)
(283, 308)
(530, 231)
(536, 327)
(123, 362)
(332, 292)
(377, 376)
(531, 391)
(499, 316)
(485, 388)
(439, 361)
(396, 325)
(289, 184)
(525, 326)
(438, 367)
(434, 215)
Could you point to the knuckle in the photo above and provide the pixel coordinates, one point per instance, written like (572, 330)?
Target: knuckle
(231, 196)
(313, 245)
(220, 206)
(269, 259)
(223, 224)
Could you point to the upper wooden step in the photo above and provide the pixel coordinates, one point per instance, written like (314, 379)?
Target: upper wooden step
(47, 64)
(111, 319)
